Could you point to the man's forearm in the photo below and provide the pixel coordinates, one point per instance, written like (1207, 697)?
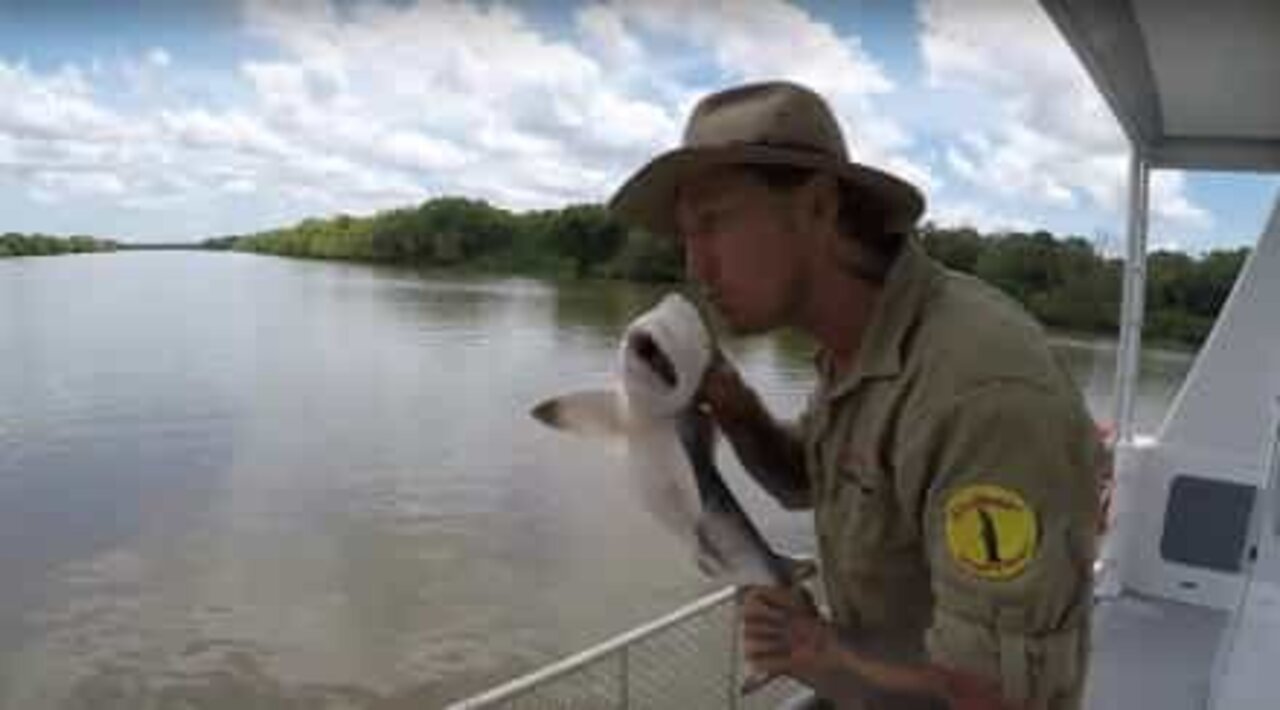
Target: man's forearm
(859, 669)
(773, 457)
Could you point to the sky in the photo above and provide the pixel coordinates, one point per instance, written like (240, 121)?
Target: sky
(163, 120)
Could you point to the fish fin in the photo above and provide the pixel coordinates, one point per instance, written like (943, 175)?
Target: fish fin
(723, 559)
(711, 559)
(591, 413)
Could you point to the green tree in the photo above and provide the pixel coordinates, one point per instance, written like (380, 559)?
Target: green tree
(1063, 281)
(644, 257)
(958, 249)
(587, 235)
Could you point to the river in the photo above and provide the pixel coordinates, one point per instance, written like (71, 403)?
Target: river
(230, 480)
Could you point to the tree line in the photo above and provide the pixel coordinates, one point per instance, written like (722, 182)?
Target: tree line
(1064, 281)
(1068, 284)
(15, 244)
(579, 240)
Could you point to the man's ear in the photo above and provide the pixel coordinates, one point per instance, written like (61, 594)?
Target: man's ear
(819, 204)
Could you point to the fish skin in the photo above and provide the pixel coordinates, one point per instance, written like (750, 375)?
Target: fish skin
(670, 444)
(725, 531)
(670, 449)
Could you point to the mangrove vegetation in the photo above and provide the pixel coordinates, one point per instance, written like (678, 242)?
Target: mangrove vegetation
(1065, 281)
(15, 244)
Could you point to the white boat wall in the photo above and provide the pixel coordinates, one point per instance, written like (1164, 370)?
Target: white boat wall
(1187, 613)
(1226, 420)
(1193, 496)
(1188, 608)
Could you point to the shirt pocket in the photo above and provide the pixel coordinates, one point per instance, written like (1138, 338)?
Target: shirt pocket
(863, 512)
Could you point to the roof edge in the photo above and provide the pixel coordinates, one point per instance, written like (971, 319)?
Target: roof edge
(1105, 36)
(1235, 154)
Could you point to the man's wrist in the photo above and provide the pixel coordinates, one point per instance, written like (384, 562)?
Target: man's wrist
(828, 659)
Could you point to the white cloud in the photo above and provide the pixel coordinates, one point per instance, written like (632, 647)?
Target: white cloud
(1168, 191)
(420, 152)
(53, 106)
(775, 40)
(961, 165)
(159, 57)
(1057, 143)
(239, 186)
(502, 103)
(491, 98)
(379, 104)
(77, 184)
(968, 213)
(607, 36)
(199, 128)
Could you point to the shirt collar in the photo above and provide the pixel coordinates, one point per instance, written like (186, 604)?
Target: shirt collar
(906, 287)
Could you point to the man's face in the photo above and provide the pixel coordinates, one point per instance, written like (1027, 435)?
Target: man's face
(742, 246)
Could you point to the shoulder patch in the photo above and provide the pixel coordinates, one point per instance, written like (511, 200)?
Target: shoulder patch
(991, 531)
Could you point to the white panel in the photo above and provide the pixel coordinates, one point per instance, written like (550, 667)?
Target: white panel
(1147, 472)
(1216, 65)
(1225, 405)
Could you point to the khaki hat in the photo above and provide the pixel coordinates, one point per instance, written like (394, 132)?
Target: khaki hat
(770, 123)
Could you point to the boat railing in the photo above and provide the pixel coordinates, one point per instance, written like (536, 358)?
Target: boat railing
(688, 658)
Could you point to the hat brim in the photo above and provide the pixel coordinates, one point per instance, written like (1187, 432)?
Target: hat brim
(647, 199)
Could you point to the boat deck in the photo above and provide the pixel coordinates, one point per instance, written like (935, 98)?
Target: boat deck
(1152, 653)
(1248, 679)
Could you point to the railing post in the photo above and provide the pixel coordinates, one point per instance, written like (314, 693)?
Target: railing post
(1134, 290)
(624, 677)
(735, 654)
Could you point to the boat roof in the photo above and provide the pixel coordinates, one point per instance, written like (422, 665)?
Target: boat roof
(1193, 83)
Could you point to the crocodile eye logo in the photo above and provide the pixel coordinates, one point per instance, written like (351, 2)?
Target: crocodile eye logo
(991, 531)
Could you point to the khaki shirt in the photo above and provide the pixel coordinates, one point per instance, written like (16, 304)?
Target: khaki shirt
(953, 480)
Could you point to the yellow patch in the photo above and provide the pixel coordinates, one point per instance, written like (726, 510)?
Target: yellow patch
(991, 531)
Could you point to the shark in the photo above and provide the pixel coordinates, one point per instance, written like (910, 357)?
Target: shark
(651, 415)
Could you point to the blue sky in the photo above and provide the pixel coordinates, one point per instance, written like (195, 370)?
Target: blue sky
(156, 120)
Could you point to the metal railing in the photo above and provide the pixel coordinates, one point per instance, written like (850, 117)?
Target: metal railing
(688, 658)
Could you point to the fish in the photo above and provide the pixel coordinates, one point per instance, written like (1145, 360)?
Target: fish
(668, 444)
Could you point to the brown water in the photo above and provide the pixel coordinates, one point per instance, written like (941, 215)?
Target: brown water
(240, 481)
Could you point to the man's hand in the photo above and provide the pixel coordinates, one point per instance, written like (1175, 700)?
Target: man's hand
(783, 633)
(966, 692)
(726, 396)
(772, 455)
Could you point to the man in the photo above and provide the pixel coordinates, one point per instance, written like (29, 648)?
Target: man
(948, 460)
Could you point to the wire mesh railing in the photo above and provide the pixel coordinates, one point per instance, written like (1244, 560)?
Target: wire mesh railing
(687, 659)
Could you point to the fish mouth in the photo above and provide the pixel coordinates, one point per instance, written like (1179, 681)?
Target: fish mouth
(547, 412)
(646, 348)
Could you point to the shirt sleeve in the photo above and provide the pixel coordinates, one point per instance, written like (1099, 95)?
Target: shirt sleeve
(1002, 482)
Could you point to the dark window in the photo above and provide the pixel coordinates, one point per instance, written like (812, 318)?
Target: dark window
(1206, 523)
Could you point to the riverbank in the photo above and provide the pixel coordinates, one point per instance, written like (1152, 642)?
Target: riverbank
(1064, 281)
(15, 244)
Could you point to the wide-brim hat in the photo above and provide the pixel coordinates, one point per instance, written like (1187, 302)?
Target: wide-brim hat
(769, 123)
